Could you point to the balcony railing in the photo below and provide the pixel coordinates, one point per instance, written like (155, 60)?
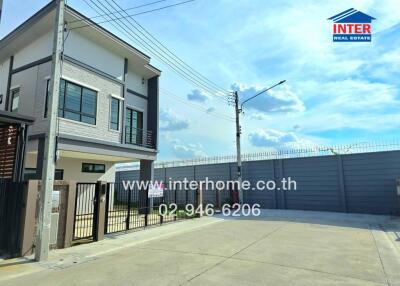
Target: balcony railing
(139, 137)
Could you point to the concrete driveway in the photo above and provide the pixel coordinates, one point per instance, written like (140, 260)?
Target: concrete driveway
(279, 248)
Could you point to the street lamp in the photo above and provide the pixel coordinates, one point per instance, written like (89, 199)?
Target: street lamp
(239, 131)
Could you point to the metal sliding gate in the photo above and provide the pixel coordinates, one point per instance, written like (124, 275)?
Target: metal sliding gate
(11, 206)
(132, 209)
(85, 205)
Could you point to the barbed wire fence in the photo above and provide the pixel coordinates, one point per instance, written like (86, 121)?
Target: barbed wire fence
(314, 151)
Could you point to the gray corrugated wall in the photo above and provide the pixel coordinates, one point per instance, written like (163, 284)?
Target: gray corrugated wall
(370, 182)
(357, 183)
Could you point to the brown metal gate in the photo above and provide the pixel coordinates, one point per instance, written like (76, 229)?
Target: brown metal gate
(8, 150)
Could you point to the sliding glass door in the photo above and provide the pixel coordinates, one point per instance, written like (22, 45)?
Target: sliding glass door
(133, 127)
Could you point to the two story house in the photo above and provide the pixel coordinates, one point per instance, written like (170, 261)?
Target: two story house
(108, 101)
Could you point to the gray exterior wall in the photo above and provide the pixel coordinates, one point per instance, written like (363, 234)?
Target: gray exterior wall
(93, 59)
(105, 88)
(4, 68)
(355, 183)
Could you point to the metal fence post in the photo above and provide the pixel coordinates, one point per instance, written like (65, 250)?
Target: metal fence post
(107, 206)
(199, 199)
(99, 211)
(282, 175)
(146, 222)
(274, 194)
(176, 201)
(128, 215)
(342, 187)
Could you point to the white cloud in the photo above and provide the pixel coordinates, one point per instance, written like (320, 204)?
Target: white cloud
(210, 109)
(350, 95)
(169, 121)
(197, 95)
(258, 116)
(188, 151)
(271, 138)
(296, 127)
(280, 100)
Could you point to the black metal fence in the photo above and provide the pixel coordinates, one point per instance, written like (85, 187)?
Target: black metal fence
(11, 206)
(84, 211)
(130, 208)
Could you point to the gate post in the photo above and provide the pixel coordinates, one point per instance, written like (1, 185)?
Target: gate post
(70, 214)
(28, 218)
(146, 174)
(199, 199)
(108, 191)
(99, 210)
(342, 186)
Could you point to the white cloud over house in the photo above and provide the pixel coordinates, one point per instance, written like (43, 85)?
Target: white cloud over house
(187, 151)
(271, 138)
(282, 99)
(169, 121)
(198, 96)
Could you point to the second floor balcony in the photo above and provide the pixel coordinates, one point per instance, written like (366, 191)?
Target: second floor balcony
(139, 137)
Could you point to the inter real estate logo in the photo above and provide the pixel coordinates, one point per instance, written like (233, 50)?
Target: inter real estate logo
(351, 26)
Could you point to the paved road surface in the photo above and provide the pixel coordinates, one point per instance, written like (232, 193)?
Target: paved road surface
(285, 248)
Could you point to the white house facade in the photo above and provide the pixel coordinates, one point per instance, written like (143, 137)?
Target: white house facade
(108, 101)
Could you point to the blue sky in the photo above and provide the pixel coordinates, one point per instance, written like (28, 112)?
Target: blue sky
(335, 92)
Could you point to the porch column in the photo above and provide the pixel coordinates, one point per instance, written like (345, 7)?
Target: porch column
(146, 173)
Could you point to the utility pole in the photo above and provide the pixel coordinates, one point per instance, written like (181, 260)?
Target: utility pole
(43, 234)
(238, 151)
(238, 111)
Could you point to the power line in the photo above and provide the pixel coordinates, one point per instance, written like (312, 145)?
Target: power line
(171, 53)
(132, 8)
(131, 34)
(168, 52)
(197, 107)
(140, 13)
(189, 71)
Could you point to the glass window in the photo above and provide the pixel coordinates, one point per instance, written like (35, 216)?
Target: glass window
(30, 174)
(133, 127)
(77, 103)
(114, 116)
(89, 101)
(46, 99)
(15, 99)
(93, 168)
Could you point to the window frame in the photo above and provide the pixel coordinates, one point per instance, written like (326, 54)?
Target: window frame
(62, 109)
(34, 175)
(118, 114)
(12, 90)
(94, 168)
(138, 134)
(46, 99)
